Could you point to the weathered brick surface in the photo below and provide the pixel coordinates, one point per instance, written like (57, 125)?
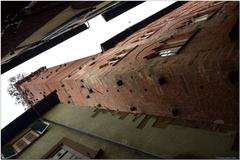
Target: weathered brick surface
(199, 83)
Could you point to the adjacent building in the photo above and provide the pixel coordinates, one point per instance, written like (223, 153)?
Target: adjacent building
(64, 131)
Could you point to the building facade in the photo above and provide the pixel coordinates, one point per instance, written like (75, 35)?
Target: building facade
(183, 65)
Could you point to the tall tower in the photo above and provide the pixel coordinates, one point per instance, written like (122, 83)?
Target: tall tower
(183, 65)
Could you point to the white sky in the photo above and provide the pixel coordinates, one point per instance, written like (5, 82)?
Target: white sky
(81, 45)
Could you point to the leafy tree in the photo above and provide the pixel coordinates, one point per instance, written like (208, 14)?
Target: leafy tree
(13, 92)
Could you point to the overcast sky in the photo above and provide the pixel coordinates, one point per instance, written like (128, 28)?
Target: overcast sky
(81, 45)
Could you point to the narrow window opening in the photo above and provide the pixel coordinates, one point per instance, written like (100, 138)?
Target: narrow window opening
(118, 57)
(168, 52)
(146, 35)
(115, 59)
(201, 18)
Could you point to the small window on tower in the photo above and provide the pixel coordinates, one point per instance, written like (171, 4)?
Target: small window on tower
(146, 35)
(201, 18)
(113, 61)
(119, 56)
(169, 52)
(204, 14)
(184, 13)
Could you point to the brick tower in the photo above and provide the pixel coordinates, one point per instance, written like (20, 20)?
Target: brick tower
(183, 65)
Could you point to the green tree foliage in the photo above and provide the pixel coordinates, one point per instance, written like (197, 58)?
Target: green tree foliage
(13, 92)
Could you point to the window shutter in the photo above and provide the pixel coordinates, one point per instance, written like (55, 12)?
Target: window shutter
(20, 145)
(26, 140)
(31, 136)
